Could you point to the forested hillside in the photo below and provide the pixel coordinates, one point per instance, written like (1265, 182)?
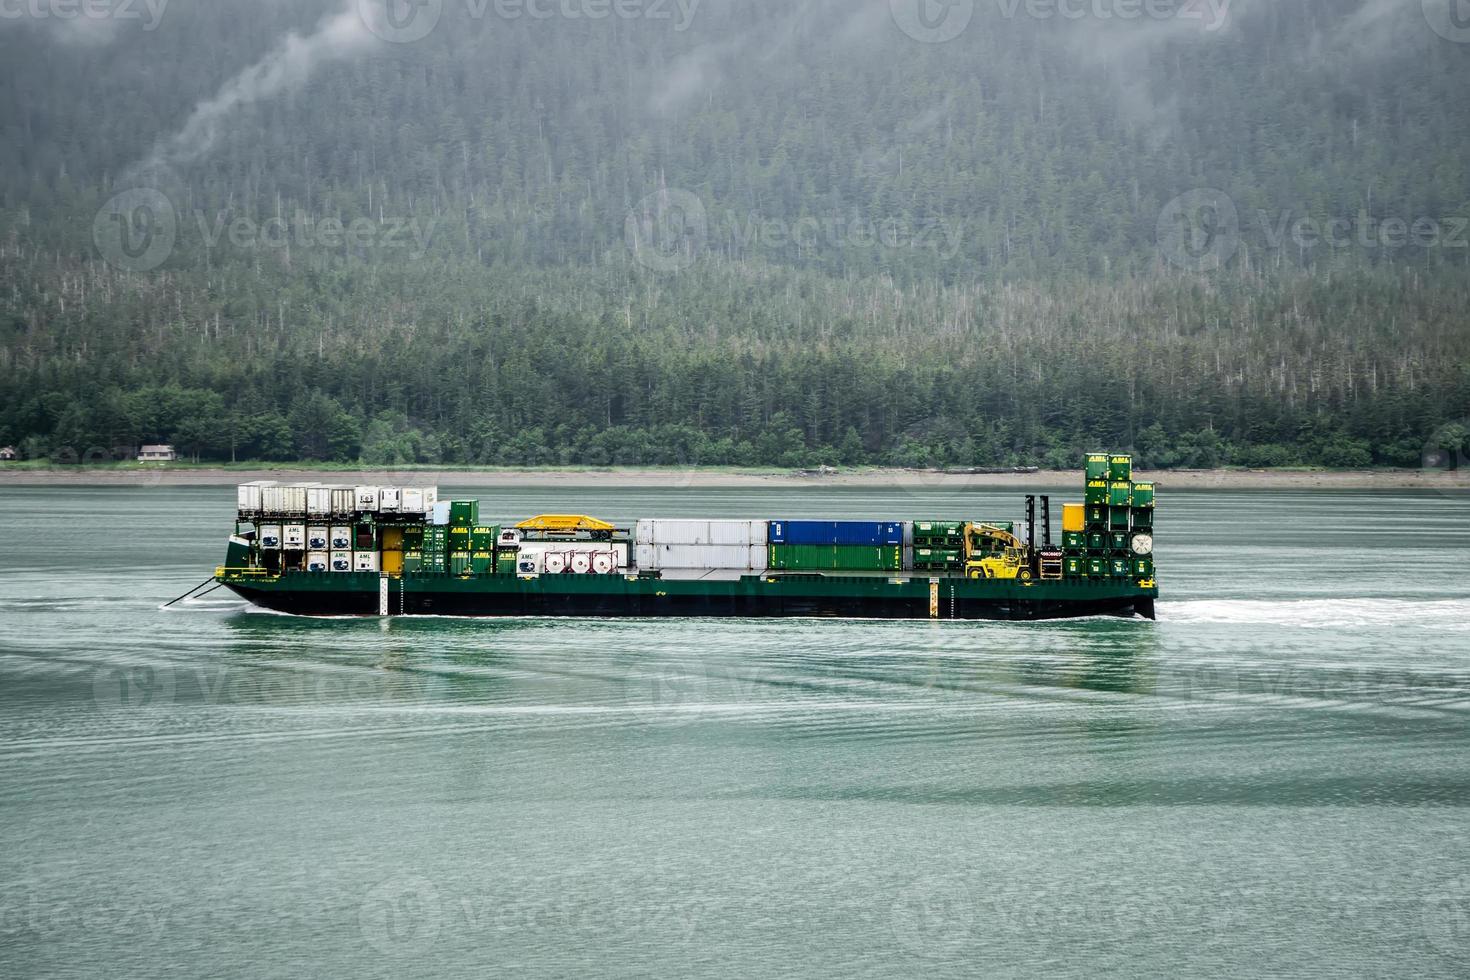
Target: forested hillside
(754, 232)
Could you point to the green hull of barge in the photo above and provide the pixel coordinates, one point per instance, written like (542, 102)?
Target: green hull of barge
(759, 596)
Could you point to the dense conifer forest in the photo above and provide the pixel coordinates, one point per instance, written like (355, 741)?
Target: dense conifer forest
(753, 232)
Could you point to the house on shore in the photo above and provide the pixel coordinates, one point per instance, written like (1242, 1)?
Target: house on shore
(8, 454)
(157, 454)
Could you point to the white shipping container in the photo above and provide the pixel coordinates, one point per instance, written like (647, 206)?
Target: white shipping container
(760, 558)
(317, 539)
(273, 500)
(581, 563)
(604, 563)
(341, 539)
(295, 499)
(319, 500)
(700, 556)
(294, 537)
(250, 496)
(367, 499)
(660, 532)
(316, 561)
(365, 561)
(270, 537)
(619, 550)
(341, 561)
(441, 514)
(344, 501)
(390, 500)
(413, 500)
(554, 562)
(529, 564)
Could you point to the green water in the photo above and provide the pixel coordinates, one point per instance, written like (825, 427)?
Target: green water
(1272, 779)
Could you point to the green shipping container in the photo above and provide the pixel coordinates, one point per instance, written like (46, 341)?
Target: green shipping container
(1075, 566)
(1143, 495)
(1119, 567)
(464, 512)
(1120, 494)
(1097, 491)
(1118, 540)
(936, 557)
(1120, 469)
(1118, 519)
(484, 538)
(1143, 568)
(1143, 519)
(460, 563)
(1097, 466)
(413, 564)
(1097, 515)
(1097, 541)
(835, 558)
(505, 562)
(1074, 539)
(483, 563)
(1097, 567)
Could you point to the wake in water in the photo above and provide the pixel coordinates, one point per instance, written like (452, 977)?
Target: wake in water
(1449, 615)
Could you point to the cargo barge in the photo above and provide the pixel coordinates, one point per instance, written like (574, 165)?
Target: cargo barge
(320, 550)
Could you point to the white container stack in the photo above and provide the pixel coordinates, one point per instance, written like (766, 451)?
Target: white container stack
(365, 561)
(694, 545)
(319, 500)
(294, 538)
(341, 539)
(317, 539)
(265, 499)
(270, 537)
(341, 561)
(317, 561)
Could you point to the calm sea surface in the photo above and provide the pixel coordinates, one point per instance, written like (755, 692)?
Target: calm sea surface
(1272, 779)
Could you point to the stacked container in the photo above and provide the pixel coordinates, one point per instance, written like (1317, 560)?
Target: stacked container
(939, 546)
(691, 545)
(836, 546)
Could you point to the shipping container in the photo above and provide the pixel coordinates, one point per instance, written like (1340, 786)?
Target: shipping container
(341, 561)
(529, 564)
(283, 501)
(293, 537)
(510, 537)
(318, 561)
(579, 563)
(928, 559)
(1074, 566)
(1118, 518)
(700, 533)
(365, 561)
(366, 500)
(318, 539)
(1097, 516)
(413, 563)
(344, 501)
(390, 500)
(1097, 491)
(1097, 466)
(1118, 540)
(1120, 469)
(554, 563)
(392, 539)
(464, 513)
(365, 538)
(439, 515)
(1074, 539)
(461, 564)
(1074, 517)
(393, 562)
(835, 558)
(1119, 567)
(413, 500)
(270, 537)
(604, 563)
(1120, 494)
(1143, 517)
(483, 563)
(1097, 567)
(505, 562)
(930, 530)
(1143, 495)
(484, 538)
(319, 500)
(868, 533)
(249, 497)
(1143, 568)
(730, 557)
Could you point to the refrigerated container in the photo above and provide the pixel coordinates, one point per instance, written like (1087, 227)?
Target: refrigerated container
(270, 537)
(341, 538)
(293, 537)
(366, 500)
(365, 561)
(317, 561)
(318, 539)
(318, 500)
(341, 561)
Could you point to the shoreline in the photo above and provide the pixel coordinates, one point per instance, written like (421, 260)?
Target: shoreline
(732, 479)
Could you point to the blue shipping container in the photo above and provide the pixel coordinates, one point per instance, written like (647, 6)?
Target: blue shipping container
(874, 533)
